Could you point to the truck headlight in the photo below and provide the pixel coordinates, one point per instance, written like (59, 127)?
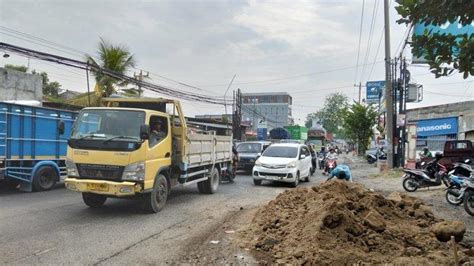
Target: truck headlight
(71, 169)
(258, 163)
(134, 172)
(291, 165)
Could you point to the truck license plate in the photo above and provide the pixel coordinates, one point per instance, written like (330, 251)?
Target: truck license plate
(97, 187)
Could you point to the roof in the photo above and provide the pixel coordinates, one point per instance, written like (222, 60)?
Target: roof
(265, 93)
(288, 144)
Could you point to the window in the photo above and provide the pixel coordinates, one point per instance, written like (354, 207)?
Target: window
(158, 130)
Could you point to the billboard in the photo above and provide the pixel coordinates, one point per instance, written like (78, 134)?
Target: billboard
(447, 28)
(374, 91)
(436, 127)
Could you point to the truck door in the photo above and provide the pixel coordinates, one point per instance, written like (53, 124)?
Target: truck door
(159, 148)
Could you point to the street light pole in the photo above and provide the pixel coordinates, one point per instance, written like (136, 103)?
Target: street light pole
(388, 89)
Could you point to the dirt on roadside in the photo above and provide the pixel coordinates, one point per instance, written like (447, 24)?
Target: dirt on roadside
(344, 223)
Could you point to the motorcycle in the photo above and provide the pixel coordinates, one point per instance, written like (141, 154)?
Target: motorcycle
(457, 176)
(434, 174)
(371, 158)
(330, 165)
(321, 161)
(468, 195)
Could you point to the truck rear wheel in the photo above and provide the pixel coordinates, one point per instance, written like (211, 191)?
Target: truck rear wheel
(211, 184)
(93, 200)
(155, 201)
(45, 178)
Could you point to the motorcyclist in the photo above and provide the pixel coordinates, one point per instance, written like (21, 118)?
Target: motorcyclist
(341, 171)
(426, 153)
(332, 155)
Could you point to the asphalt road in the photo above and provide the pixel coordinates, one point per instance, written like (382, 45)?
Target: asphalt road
(55, 227)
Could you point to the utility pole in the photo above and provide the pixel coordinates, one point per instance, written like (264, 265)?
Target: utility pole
(359, 86)
(388, 89)
(139, 78)
(360, 90)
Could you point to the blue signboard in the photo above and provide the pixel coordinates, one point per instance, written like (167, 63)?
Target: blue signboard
(434, 127)
(447, 28)
(374, 91)
(262, 133)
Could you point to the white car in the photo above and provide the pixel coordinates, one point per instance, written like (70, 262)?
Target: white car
(283, 162)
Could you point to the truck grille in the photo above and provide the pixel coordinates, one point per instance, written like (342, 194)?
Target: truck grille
(100, 171)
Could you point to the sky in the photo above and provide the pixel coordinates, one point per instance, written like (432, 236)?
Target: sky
(306, 48)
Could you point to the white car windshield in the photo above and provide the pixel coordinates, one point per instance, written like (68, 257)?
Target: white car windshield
(249, 148)
(281, 152)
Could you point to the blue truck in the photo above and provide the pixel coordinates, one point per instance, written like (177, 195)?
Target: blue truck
(33, 144)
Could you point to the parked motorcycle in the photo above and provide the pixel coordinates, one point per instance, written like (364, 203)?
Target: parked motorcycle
(468, 197)
(457, 176)
(434, 174)
(371, 158)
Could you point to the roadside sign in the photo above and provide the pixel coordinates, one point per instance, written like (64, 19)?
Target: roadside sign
(455, 29)
(374, 91)
(434, 127)
(261, 133)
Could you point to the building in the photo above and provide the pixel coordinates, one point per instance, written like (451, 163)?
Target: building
(20, 86)
(438, 123)
(270, 108)
(216, 118)
(69, 95)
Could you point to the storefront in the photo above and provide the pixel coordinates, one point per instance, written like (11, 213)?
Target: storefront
(433, 133)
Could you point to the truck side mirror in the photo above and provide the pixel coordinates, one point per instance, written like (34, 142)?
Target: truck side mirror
(144, 131)
(61, 127)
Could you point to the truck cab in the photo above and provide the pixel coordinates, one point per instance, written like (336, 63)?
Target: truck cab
(123, 150)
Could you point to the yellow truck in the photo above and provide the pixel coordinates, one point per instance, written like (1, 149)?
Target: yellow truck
(141, 148)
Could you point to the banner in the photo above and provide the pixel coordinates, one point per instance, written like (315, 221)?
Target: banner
(435, 127)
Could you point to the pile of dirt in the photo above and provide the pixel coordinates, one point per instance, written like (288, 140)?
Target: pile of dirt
(343, 223)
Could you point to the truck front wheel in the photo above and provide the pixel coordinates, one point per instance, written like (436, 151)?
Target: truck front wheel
(211, 184)
(45, 178)
(93, 200)
(155, 201)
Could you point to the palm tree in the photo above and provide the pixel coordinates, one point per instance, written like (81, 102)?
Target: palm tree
(115, 58)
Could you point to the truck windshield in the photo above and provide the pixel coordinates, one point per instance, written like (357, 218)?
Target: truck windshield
(281, 151)
(108, 125)
(249, 148)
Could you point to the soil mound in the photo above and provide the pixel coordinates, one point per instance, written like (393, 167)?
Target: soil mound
(343, 223)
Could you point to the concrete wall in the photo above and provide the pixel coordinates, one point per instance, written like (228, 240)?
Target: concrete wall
(464, 111)
(16, 85)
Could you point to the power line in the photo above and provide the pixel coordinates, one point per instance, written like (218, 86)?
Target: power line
(72, 51)
(84, 65)
(360, 38)
(376, 54)
(369, 42)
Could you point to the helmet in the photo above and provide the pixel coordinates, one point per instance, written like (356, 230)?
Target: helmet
(425, 149)
(438, 156)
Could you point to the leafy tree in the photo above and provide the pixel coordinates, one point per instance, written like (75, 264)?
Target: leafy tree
(330, 114)
(132, 92)
(358, 120)
(52, 88)
(15, 67)
(115, 58)
(439, 49)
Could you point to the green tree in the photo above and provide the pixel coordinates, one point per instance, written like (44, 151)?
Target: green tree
(15, 67)
(358, 120)
(441, 49)
(52, 88)
(330, 114)
(115, 58)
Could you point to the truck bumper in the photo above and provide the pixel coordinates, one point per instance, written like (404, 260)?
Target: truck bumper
(102, 187)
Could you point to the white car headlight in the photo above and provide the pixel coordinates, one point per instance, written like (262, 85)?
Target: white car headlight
(258, 163)
(291, 165)
(134, 172)
(71, 169)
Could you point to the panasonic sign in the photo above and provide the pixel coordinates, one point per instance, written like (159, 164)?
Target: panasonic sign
(433, 127)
